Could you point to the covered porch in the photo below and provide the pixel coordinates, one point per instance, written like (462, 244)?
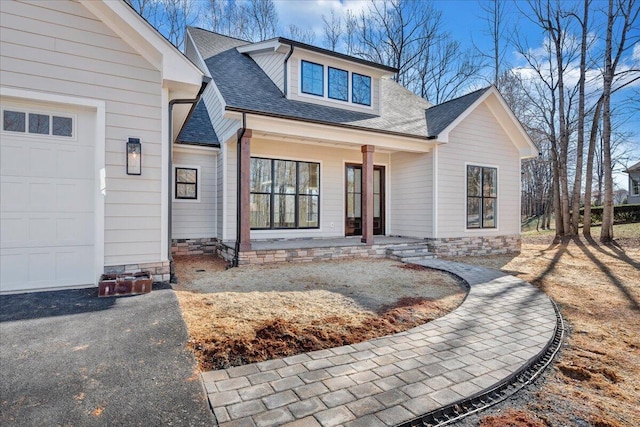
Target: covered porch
(353, 200)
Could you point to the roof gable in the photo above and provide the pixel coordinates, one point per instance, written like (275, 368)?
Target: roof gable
(634, 168)
(177, 70)
(441, 116)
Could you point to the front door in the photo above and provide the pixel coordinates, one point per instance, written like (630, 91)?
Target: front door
(353, 191)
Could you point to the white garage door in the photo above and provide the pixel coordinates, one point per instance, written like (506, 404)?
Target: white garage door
(47, 197)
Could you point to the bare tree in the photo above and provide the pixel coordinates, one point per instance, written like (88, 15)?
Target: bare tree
(177, 15)
(332, 28)
(495, 17)
(305, 36)
(622, 16)
(263, 20)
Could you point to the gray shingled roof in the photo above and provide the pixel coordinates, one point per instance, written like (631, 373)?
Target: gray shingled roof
(198, 129)
(245, 87)
(442, 115)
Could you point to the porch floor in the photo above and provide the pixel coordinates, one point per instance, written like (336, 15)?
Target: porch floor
(311, 243)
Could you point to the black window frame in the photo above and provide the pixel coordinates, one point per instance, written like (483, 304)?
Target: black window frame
(353, 86)
(272, 193)
(195, 184)
(346, 98)
(481, 223)
(302, 76)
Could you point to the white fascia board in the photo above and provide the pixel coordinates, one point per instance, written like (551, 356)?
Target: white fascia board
(202, 65)
(260, 47)
(195, 149)
(139, 34)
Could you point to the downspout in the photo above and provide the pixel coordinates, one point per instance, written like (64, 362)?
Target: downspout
(286, 60)
(236, 249)
(193, 102)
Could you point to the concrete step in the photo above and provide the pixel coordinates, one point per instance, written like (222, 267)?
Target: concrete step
(410, 259)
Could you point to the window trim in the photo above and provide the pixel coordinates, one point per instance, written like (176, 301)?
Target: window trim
(302, 61)
(50, 114)
(635, 180)
(353, 75)
(482, 197)
(198, 197)
(297, 193)
(329, 83)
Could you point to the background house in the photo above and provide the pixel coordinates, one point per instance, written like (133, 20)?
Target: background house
(634, 184)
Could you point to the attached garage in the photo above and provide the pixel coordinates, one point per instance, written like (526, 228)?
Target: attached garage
(48, 192)
(78, 80)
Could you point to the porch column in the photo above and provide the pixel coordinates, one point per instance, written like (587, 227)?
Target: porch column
(244, 188)
(367, 194)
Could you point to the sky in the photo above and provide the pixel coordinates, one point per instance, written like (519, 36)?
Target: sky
(466, 22)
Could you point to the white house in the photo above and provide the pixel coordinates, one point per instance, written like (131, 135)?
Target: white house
(117, 149)
(331, 147)
(78, 79)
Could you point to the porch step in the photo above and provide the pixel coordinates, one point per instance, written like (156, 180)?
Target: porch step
(409, 253)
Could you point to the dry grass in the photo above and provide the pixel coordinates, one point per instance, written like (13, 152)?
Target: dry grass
(256, 313)
(596, 380)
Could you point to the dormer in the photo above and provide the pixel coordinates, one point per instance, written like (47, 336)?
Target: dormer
(311, 74)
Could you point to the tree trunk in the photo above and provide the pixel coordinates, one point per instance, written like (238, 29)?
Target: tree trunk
(606, 234)
(577, 186)
(586, 221)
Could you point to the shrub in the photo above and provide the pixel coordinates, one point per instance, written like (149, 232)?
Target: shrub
(621, 213)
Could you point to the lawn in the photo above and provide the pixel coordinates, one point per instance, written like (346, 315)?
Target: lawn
(596, 379)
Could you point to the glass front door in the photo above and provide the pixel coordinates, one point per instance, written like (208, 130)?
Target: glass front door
(353, 191)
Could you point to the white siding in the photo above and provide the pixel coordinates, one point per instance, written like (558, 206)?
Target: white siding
(196, 219)
(332, 176)
(478, 140)
(60, 47)
(294, 84)
(273, 66)
(225, 128)
(411, 194)
(220, 183)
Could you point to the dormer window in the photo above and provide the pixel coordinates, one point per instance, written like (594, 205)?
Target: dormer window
(338, 84)
(361, 89)
(312, 78)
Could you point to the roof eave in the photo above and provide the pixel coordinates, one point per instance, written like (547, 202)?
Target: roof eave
(320, 122)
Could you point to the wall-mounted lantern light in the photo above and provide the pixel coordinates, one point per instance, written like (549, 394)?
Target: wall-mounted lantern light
(134, 157)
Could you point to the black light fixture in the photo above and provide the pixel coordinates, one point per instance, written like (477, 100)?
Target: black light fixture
(134, 157)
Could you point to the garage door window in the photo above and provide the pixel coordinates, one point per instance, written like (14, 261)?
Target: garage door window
(37, 123)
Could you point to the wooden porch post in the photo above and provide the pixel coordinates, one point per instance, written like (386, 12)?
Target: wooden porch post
(245, 190)
(367, 194)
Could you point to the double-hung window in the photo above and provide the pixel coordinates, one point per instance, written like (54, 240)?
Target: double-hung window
(284, 194)
(635, 185)
(482, 197)
(312, 78)
(360, 89)
(338, 84)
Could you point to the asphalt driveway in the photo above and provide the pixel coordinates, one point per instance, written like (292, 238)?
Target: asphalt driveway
(69, 358)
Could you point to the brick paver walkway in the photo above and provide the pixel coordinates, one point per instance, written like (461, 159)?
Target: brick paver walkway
(503, 323)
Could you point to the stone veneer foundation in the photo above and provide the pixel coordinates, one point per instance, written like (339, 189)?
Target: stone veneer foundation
(475, 246)
(207, 245)
(455, 246)
(159, 271)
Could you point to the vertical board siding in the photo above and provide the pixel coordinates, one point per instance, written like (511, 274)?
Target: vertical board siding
(273, 66)
(61, 47)
(191, 220)
(411, 194)
(478, 140)
(332, 180)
